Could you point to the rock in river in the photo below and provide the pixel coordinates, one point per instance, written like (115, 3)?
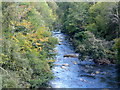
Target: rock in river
(97, 72)
(65, 64)
(63, 67)
(60, 44)
(102, 61)
(71, 55)
(74, 62)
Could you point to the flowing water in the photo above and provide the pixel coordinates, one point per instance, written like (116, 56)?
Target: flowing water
(70, 72)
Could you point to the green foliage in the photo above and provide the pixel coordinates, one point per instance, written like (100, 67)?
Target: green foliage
(73, 19)
(117, 47)
(27, 43)
(11, 83)
(80, 36)
(100, 16)
(22, 3)
(92, 27)
(96, 48)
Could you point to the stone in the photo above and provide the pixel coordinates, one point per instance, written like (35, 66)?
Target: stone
(97, 72)
(74, 62)
(60, 44)
(63, 67)
(102, 61)
(65, 64)
(93, 74)
(71, 55)
(82, 80)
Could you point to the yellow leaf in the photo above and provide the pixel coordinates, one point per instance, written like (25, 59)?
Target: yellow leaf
(38, 44)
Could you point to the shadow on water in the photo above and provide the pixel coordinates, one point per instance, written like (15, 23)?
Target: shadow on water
(70, 72)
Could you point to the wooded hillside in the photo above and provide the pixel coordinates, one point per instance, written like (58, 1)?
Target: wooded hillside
(27, 44)
(94, 28)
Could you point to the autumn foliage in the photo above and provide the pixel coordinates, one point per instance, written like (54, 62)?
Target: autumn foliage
(26, 45)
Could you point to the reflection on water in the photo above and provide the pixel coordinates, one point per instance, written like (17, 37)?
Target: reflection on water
(70, 72)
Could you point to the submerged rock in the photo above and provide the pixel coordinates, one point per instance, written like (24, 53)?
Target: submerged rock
(83, 80)
(60, 44)
(74, 62)
(88, 75)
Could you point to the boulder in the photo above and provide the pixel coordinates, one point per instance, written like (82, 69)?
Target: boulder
(65, 64)
(71, 55)
(60, 44)
(63, 67)
(97, 72)
(102, 61)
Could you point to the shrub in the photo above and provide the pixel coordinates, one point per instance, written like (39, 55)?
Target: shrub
(95, 48)
(117, 47)
(26, 45)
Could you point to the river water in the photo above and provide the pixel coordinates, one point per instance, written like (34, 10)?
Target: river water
(70, 72)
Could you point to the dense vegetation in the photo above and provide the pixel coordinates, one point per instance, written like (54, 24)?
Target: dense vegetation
(27, 44)
(94, 28)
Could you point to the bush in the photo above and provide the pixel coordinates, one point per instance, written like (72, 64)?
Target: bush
(117, 47)
(27, 45)
(95, 48)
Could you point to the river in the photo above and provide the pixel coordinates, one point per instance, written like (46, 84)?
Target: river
(70, 72)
